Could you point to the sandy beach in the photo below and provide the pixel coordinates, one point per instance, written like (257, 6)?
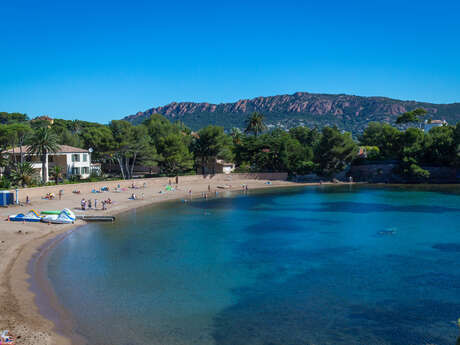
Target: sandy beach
(20, 242)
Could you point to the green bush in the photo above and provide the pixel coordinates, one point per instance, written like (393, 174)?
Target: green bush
(5, 183)
(244, 167)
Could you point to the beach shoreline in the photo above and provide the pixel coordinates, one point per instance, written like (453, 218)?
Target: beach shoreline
(23, 245)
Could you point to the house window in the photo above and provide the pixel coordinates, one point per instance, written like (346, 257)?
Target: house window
(85, 170)
(85, 157)
(76, 171)
(75, 157)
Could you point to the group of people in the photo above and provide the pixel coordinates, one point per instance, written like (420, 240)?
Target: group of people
(49, 196)
(88, 204)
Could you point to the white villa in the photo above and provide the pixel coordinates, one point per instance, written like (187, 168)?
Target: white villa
(74, 161)
(433, 123)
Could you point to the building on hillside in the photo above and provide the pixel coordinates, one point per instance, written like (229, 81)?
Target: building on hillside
(43, 121)
(216, 166)
(73, 161)
(433, 123)
(44, 118)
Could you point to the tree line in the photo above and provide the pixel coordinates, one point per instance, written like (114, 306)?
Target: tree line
(175, 149)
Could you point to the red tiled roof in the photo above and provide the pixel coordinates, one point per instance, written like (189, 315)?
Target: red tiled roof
(62, 149)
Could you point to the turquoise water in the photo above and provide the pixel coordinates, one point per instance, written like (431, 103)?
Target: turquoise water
(316, 265)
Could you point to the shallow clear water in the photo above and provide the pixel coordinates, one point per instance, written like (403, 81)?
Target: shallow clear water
(316, 265)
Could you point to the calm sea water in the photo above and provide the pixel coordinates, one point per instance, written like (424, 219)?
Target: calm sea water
(317, 265)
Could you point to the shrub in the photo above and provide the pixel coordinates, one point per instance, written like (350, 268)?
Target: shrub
(5, 183)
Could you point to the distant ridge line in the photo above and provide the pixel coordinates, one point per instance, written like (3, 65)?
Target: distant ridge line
(348, 112)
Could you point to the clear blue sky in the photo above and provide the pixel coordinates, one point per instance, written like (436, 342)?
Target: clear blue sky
(102, 60)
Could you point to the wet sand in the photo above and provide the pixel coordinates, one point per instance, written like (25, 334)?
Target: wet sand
(21, 244)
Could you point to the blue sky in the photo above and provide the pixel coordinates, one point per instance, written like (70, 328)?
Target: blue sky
(102, 60)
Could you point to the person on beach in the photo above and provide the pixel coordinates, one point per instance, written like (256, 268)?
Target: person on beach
(142, 196)
(82, 204)
(177, 179)
(103, 205)
(89, 203)
(109, 201)
(209, 188)
(60, 193)
(95, 204)
(27, 200)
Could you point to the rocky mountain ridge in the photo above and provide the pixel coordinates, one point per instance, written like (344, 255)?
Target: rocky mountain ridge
(348, 112)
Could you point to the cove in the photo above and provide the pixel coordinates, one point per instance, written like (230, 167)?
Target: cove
(313, 265)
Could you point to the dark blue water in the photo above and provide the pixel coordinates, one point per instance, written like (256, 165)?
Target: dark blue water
(317, 265)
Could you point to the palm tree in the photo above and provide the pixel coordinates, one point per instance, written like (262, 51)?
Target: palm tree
(56, 173)
(236, 135)
(23, 173)
(43, 142)
(255, 124)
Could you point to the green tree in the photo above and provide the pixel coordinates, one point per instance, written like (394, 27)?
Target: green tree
(457, 145)
(159, 126)
(306, 136)
(414, 116)
(10, 118)
(413, 144)
(212, 143)
(43, 142)
(122, 132)
(279, 151)
(255, 124)
(335, 151)
(100, 139)
(4, 137)
(440, 147)
(4, 142)
(130, 144)
(384, 136)
(19, 133)
(174, 155)
(141, 149)
(66, 137)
